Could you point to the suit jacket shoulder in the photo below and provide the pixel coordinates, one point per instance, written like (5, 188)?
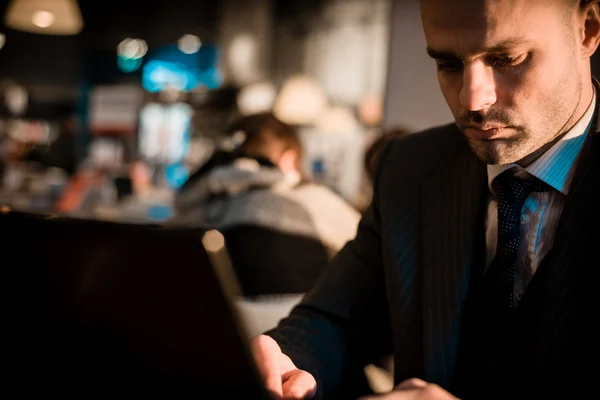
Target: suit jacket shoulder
(409, 160)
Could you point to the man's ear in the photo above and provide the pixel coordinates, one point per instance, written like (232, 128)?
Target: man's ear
(590, 11)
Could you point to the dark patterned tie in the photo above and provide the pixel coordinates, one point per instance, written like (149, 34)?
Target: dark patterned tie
(511, 192)
(499, 279)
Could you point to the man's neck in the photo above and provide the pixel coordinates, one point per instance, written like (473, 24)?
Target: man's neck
(531, 158)
(585, 100)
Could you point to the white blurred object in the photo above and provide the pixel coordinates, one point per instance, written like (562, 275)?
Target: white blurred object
(342, 62)
(178, 120)
(163, 132)
(256, 98)
(189, 44)
(350, 56)
(52, 17)
(261, 315)
(2, 40)
(151, 121)
(242, 57)
(300, 101)
(336, 120)
(16, 99)
(106, 153)
(132, 49)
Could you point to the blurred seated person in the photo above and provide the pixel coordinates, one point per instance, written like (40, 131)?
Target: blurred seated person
(280, 229)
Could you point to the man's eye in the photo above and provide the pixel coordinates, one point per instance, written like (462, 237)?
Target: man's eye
(449, 66)
(502, 61)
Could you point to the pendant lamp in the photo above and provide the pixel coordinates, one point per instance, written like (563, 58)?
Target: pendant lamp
(50, 17)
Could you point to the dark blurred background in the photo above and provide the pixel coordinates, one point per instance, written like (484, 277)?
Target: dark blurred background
(89, 87)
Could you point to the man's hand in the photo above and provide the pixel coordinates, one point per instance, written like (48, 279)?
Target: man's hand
(413, 389)
(280, 375)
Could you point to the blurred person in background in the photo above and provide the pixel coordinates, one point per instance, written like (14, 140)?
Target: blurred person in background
(280, 229)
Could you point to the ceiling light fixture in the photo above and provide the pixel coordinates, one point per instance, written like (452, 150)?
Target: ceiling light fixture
(43, 19)
(50, 17)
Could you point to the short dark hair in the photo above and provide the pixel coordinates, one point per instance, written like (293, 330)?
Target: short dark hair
(574, 3)
(570, 7)
(266, 136)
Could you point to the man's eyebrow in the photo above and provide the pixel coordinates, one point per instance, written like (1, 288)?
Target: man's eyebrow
(500, 47)
(441, 55)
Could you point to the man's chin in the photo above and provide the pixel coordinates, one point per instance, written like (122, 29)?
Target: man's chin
(494, 152)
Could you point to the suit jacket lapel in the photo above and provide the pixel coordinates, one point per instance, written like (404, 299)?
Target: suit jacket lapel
(568, 273)
(453, 202)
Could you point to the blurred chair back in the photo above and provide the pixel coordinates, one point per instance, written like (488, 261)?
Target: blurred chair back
(269, 262)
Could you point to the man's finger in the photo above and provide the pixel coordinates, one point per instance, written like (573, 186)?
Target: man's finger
(267, 355)
(413, 383)
(299, 384)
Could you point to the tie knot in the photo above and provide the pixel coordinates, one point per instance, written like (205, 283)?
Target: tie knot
(512, 190)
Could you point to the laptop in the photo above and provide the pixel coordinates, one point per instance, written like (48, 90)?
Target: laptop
(100, 308)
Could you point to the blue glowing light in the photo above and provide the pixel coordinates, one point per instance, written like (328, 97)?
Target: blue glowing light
(176, 175)
(169, 66)
(129, 64)
(159, 74)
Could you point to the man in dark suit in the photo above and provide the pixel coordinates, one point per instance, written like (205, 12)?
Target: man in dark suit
(476, 264)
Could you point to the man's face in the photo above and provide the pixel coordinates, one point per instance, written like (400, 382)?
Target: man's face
(510, 71)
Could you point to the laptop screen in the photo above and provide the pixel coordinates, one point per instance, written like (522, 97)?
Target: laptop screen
(106, 307)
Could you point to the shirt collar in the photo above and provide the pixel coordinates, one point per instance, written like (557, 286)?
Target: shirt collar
(555, 166)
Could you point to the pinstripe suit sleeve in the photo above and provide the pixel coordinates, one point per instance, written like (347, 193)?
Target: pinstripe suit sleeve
(343, 322)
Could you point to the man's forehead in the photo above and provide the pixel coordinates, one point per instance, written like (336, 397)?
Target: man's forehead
(482, 12)
(469, 26)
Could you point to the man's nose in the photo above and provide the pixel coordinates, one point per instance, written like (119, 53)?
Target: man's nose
(478, 90)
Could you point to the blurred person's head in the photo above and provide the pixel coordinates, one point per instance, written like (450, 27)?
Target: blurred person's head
(267, 137)
(378, 144)
(516, 74)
